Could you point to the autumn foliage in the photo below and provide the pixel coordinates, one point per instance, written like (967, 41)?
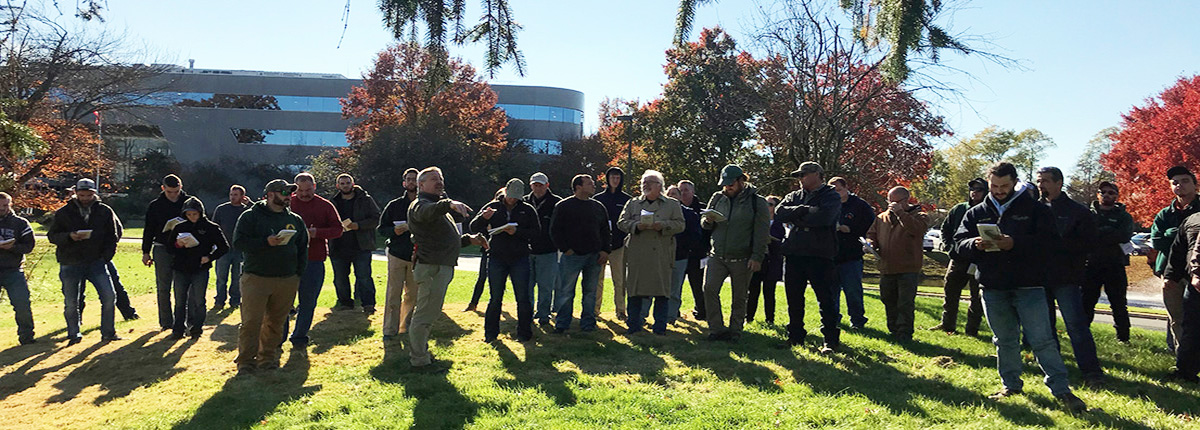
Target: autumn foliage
(1163, 132)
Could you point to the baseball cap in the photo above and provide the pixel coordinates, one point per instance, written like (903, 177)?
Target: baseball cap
(730, 174)
(539, 178)
(279, 186)
(807, 167)
(85, 184)
(514, 189)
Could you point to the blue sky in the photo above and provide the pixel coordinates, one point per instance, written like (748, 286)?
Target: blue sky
(1085, 63)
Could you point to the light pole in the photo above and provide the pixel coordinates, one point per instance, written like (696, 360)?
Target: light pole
(628, 120)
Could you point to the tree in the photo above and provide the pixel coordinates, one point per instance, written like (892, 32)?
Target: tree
(405, 121)
(1088, 172)
(953, 167)
(444, 18)
(1153, 137)
(904, 26)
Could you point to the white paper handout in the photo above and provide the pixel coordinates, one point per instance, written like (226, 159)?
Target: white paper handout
(647, 217)
(1127, 248)
(346, 224)
(189, 241)
(712, 215)
(286, 235)
(399, 223)
(7, 241)
(87, 234)
(990, 233)
(501, 228)
(171, 223)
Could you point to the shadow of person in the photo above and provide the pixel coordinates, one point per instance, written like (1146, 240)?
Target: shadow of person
(25, 377)
(525, 373)
(440, 404)
(245, 400)
(119, 372)
(339, 328)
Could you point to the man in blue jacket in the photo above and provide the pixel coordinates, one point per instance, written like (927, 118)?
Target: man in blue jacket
(1012, 264)
(809, 251)
(16, 240)
(854, 219)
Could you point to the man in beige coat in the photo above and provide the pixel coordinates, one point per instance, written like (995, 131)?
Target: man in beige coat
(898, 235)
(652, 221)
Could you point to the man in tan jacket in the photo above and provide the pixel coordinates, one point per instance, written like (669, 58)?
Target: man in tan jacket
(898, 234)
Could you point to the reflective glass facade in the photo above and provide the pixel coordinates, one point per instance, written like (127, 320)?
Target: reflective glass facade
(290, 137)
(542, 113)
(284, 103)
(543, 146)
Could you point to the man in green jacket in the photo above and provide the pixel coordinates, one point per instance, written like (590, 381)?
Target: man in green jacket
(958, 274)
(275, 243)
(1106, 261)
(1162, 234)
(437, 242)
(740, 221)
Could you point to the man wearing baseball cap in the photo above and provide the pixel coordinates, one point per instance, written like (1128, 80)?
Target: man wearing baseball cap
(809, 250)
(85, 231)
(1162, 234)
(543, 256)
(275, 243)
(740, 220)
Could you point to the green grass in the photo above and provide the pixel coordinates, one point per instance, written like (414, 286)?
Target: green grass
(350, 379)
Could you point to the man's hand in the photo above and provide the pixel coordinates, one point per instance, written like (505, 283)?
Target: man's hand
(641, 227)
(980, 244)
(179, 243)
(603, 258)
(487, 213)
(204, 260)
(479, 239)
(312, 232)
(1170, 284)
(8, 245)
(895, 207)
(569, 252)
(843, 228)
(76, 236)
(754, 266)
(274, 240)
(511, 229)
(146, 260)
(1005, 243)
(352, 226)
(1196, 283)
(400, 229)
(656, 226)
(460, 207)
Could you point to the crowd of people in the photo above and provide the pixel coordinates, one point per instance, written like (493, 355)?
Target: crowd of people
(1022, 250)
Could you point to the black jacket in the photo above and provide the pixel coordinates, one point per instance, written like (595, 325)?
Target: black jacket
(1032, 227)
(813, 216)
(1114, 227)
(581, 226)
(614, 200)
(158, 213)
(1077, 235)
(17, 228)
(504, 247)
(365, 213)
(542, 243)
(692, 235)
(857, 214)
(950, 226)
(101, 246)
(1178, 266)
(701, 249)
(212, 241)
(400, 246)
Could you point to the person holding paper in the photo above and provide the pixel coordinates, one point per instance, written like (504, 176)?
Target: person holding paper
(614, 199)
(958, 274)
(740, 222)
(1068, 261)
(580, 232)
(360, 216)
(1107, 260)
(512, 225)
(16, 240)
(85, 232)
(401, 295)
(899, 234)
(543, 258)
(651, 221)
(270, 274)
(195, 243)
(161, 211)
(1013, 281)
(854, 219)
(229, 266)
(322, 223)
(437, 243)
(809, 251)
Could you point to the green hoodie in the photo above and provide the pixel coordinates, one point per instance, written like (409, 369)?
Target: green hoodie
(1165, 227)
(262, 259)
(745, 232)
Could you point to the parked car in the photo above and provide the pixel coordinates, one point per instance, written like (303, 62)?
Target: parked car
(933, 239)
(1141, 243)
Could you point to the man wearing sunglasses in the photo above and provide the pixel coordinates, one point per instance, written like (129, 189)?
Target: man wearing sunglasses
(959, 274)
(1106, 262)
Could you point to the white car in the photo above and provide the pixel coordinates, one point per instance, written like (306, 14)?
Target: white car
(933, 239)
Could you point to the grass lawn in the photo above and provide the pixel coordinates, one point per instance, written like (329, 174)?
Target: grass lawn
(351, 379)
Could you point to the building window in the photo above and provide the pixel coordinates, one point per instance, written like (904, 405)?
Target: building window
(247, 101)
(542, 113)
(290, 137)
(542, 146)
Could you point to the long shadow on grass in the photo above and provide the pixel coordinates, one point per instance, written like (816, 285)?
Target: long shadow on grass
(933, 350)
(339, 328)
(439, 403)
(1095, 415)
(119, 372)
(246, 400)
(24, 377)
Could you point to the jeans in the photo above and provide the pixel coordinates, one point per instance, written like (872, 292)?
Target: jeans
(1113, 280)
(190, 289)
(821, 273)
(122, 297)
(849, 282)
(545, 278)
(898, 292)
(95, 272)
(767, 290)
(957, 277)
(676, 300)
(739, 279)
(1010, 311)
(265, 305)
(695, 278)
(616, 265)
(572, 267)
(229, 273)
(364, 284)
(432, 281)
(307, 293)
(1187, 359)
(1070, 304)
(164, 278)
(498, 275)
(637, 321)
(480, 281)
(13, 281)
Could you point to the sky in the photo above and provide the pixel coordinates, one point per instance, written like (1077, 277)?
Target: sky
(1082, 64)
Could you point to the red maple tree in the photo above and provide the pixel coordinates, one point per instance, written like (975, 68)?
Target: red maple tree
(1163, 132)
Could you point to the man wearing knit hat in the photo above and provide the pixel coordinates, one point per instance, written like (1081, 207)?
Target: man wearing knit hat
(512, 225)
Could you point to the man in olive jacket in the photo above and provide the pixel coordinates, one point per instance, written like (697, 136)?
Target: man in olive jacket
(274, 241)
(809, 251)
(1162, 235)
(959, 275)
(740, 222)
